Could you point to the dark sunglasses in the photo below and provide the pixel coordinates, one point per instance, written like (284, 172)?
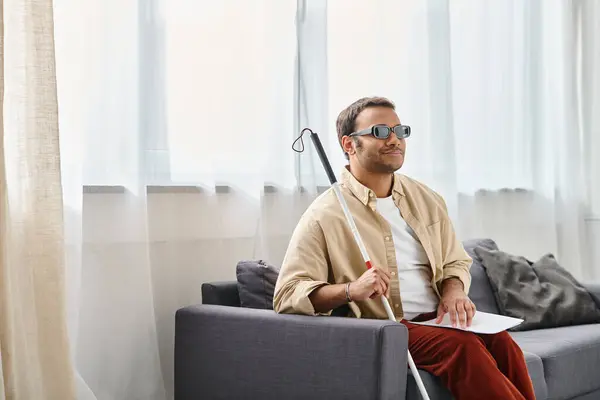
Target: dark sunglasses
(384, 131)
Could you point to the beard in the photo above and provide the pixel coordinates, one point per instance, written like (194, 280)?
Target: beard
(374, 160)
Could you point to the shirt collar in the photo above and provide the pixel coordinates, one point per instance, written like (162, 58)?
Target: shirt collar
(362, 192)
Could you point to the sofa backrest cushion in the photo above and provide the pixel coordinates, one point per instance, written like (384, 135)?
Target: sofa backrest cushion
(256, 281)
(481, 292)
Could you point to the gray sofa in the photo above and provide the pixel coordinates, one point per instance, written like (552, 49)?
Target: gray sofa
(224, 351)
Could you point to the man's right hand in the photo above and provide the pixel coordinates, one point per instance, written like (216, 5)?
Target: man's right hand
(372, 284)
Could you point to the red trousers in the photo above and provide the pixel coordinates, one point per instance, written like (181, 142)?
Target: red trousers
(472, 366)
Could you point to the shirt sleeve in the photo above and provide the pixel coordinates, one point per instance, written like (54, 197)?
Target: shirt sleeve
(456, 260)
(304, 269)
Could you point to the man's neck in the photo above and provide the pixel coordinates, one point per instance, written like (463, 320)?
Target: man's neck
(381, 184)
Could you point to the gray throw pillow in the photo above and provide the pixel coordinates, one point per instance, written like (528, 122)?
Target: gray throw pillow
(481, 292)
(542, 293)
(256, 283)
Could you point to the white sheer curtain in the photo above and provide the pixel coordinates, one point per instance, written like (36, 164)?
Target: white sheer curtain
(499, 95)
(177, 119)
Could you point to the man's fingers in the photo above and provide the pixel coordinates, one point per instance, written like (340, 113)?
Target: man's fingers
(378, 289)
(380, 282)
(440, 314)
(385, 284)
(452, 312)
(470, 313)
(385, 276)
(382, 276)
(372, 287)
(462, 313)
(385, 287)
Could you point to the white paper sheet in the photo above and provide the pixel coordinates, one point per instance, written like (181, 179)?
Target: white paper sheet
(482, 323)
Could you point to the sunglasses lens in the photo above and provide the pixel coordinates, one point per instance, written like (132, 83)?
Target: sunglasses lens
(381, 132)
(402, 131)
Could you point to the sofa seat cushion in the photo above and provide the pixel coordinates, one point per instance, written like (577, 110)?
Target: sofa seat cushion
(535, 367)
(434, 386)
(570, 355)
(437, 390)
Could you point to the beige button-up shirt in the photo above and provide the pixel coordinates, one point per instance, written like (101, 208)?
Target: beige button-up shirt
(322, 249)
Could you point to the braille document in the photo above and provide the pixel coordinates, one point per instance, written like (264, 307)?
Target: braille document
(482, 323)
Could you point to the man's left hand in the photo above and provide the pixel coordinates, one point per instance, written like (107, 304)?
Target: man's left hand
(455, 302)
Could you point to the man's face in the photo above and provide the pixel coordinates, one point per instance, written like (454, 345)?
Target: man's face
(372, 154)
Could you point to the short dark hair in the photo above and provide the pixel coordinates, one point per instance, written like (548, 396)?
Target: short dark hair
(346, 120)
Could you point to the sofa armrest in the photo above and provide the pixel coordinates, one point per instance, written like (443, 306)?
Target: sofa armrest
(594, 289)
(230, 352)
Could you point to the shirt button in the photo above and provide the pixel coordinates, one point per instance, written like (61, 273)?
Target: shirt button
(393, 273)
(396, 305)
(387, 238)
(371, 194)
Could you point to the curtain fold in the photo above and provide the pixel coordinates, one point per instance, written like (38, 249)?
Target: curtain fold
(34, 342)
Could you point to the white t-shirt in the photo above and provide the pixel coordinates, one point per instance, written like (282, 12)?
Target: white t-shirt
(414, 271)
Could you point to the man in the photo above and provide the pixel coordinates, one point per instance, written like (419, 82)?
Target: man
(419, 264)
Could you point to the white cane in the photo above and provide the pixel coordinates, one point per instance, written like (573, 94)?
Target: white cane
(336, 188)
